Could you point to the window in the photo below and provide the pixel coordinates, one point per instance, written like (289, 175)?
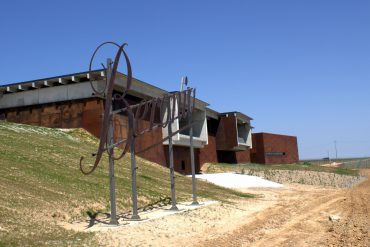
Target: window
(275, 153)
(182, 165)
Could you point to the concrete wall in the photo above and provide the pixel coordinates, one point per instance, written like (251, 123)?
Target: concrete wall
(200, 132)
(48, 95)
(274, 149)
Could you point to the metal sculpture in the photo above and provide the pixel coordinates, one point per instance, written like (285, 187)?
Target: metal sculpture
(172, 106)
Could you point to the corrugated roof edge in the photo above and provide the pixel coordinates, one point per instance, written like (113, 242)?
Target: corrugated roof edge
(212, 113)
(85, 72)
(49, 78)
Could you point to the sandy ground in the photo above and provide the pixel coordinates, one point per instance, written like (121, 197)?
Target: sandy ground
(234, 180)
(301, 218)
(296, 215)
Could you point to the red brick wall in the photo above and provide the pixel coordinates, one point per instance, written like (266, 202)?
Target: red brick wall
(243, 156)
(208, 154)
(264, 143)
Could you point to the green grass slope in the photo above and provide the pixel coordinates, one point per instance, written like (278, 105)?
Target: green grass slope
(41, 185)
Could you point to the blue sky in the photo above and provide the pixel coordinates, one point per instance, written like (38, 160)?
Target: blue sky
(297, 67)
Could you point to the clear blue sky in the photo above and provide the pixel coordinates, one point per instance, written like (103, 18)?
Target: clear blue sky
(297, 67)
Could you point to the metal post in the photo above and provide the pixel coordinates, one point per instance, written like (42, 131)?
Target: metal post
(190, 119)
(336, 151)
(135, 215)
(190, 122)
(170, 154)
(112, 186)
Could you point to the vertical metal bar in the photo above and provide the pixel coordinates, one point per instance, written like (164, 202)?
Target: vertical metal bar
(195, 202)
(112, 185)
(170, 154)
(135, 215)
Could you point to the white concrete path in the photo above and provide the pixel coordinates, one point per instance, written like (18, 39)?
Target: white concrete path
(234, 180)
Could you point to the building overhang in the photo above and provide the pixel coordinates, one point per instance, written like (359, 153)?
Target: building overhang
(73, 87)
(50, 90)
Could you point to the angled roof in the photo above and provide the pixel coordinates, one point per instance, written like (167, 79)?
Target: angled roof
(237, 114)
(52, 78)
(138, 88)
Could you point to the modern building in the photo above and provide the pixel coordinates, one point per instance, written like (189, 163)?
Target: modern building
(274, 149)
(229, 138)
(68, 101)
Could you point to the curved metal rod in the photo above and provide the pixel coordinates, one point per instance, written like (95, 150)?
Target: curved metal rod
(180, 101)
(90, 65)
(108, 104)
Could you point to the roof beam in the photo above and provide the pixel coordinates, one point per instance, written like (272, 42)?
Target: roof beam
(75, 79)
(62, 81)
(35, 85)
(47, 83)
(10, 89)
(21, 87)
(95, 76)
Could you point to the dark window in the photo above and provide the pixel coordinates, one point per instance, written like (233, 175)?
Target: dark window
(275, 153)
(182, 165)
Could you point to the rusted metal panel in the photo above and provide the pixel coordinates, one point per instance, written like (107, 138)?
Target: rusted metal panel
(92, 116)
(156, 154)
(72, 115)
(208, 154)
(258, 150)
(226, 137)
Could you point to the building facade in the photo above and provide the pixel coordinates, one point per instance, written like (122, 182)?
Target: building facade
(274, 149)
(69, 102)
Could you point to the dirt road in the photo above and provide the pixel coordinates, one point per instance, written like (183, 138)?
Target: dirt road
(301, 218)
(354, 230)
(296, 215)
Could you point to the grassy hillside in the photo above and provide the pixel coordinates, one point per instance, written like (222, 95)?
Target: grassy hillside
(41, 185)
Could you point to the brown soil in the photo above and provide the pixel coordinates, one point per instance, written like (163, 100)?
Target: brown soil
(302, 219)
(297, 215)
